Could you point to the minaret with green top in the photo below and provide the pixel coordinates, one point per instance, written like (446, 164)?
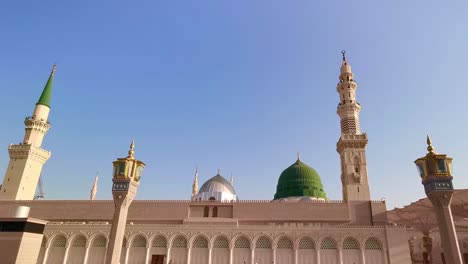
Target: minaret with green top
(27, 158)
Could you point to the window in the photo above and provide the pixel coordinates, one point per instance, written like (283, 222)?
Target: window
(221, 242)
(285, 243)
(99, 241)
(59, 241)
(139, 241)
(350, 243)
(373, 244)
(306, 243)
(215, 211)
(242, 243)
(200, 242)
(179, 242)
(328, 243)
(263, 242)
(159, 242)
(206, 211)
(79, 241)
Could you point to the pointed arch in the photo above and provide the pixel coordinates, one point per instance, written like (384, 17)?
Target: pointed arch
(241, 248)
(179, 241)
(159, 241)
(219, 241)
(199, 249)
(179, 248)
(284, 242)
(328, 242)
(220, 253)
(329, 250)
(373, 250)
(137, 252)
(97, 249)
(350, 243)
(284, 250)
(200, 242)
(351, 250)
(263, 249)
(306, 252)
(305, 242)
(57, 248)
(77, 249)
(373, 243)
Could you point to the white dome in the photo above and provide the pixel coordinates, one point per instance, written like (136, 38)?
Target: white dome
(216, 188)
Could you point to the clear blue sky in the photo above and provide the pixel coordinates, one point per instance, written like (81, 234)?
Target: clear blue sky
(236, 85)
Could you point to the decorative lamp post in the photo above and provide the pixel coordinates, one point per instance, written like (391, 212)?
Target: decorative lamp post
(436, 174)
(125, 182)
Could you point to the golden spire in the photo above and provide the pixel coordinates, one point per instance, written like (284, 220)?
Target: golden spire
(430, 148)
(132, 150)
(298, 156)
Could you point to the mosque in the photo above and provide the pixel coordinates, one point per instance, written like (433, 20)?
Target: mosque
(300, 225)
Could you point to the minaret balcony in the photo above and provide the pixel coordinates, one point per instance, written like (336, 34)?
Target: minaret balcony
(23, 151)
(351, 141)
(35, 124)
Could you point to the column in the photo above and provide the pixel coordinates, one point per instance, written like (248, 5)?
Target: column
(88, 245)
(296, 253)
(127, 251)
(274, 254)
(148, 249)
(46, 253)
(340, 255)
(210, 251)
(363, 256)
(317, 256)
(168, 256)
(189, 252)
(67, 249)
(231, 252)
(252, 256)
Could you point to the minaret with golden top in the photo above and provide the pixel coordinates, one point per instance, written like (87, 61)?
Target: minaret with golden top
(352, 143)
(27, 158)
(125, 182)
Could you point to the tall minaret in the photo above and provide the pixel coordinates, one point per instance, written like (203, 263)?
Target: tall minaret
(27, 158)
(352, 143)
(195, 184)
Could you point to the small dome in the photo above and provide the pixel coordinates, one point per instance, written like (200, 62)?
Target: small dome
(217, 184)
(299, 180)
(216, 188)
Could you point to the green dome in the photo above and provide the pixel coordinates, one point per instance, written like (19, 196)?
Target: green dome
(299, 180)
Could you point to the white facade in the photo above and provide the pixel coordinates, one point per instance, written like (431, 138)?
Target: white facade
(207, 245)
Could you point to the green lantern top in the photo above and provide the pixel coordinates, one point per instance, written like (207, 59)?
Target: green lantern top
(299, 180)
(47, 92)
